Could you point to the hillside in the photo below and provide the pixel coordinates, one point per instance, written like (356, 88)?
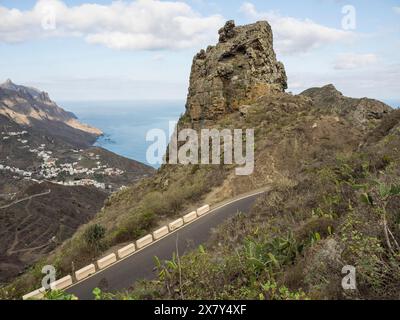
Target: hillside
(332, 163)
(334, 202)
(32, 108)
(52, 179)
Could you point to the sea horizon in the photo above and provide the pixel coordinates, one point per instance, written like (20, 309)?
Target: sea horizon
(125, 123)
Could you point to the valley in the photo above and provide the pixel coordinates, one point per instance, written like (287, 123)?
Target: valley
(52, 179)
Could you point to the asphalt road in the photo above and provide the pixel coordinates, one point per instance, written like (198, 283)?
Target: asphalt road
(123, 274)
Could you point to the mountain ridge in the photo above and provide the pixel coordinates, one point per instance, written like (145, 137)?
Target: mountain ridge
(333, 168)
(31, 107)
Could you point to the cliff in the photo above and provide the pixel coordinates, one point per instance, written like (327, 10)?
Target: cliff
(32, 108)
(239, 69)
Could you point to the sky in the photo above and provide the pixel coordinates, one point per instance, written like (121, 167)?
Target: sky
(143, 49)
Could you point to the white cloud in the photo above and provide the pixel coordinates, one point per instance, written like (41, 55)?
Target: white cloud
(396, 9)
(293, 35)
(135, 25)
(348, 61)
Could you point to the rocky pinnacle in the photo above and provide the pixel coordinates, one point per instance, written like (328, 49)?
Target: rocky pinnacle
(235, 72)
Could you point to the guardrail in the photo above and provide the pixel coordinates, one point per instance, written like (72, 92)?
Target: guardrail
(158, 234)
(37, 294)
(85, 272)
(106, 261)
(121, 254)
(190, 217)
(126, 251)
(61, 283)
(175, 225)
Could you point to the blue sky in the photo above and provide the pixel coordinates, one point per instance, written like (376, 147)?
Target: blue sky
(128, 50)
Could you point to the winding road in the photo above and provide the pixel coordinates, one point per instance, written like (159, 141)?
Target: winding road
(121, 275)
(26, 198)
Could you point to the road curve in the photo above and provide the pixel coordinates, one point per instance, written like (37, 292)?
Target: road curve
(123, 274)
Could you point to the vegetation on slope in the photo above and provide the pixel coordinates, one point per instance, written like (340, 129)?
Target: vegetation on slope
(126, 216)
(299, 236)
(322, 167)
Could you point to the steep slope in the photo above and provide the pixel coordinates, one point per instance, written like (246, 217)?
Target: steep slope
(319, 151)
(38, 218)
(33, 109)
(334, 167)
(52, 179)
(343, 211)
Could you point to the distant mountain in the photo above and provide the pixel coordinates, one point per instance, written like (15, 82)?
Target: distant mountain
(30, 107)
(9, 85)
(360, 111)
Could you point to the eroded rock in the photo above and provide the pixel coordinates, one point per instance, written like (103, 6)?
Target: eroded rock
(235, 72)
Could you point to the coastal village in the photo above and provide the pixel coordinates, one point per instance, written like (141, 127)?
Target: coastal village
(56, 170)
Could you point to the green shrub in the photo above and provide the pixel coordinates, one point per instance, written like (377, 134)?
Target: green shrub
(138, 223)
(93, 236)
(59, 295)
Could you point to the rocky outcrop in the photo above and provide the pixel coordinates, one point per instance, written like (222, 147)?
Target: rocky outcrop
(362, 112)
(9, 85)
(239, 69)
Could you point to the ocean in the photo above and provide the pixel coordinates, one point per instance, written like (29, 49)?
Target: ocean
(126, 123)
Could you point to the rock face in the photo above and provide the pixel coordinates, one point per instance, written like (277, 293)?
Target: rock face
(240, 68)
(361, 112)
